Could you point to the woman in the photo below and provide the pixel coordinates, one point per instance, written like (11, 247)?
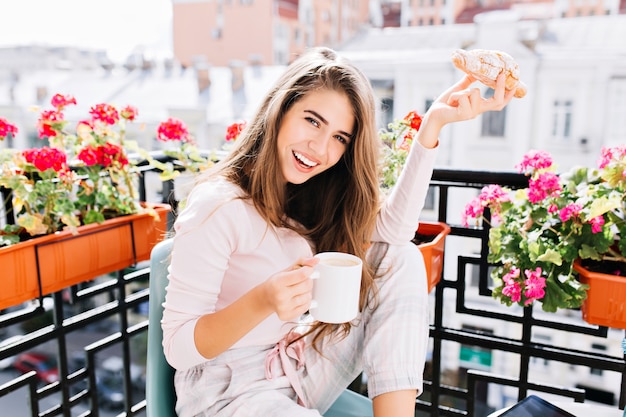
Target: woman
(303, 179)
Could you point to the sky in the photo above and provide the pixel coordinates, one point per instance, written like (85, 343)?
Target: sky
(119, 26)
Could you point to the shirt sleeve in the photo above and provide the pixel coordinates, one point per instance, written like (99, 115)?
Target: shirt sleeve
(398, 218)
(206, 234)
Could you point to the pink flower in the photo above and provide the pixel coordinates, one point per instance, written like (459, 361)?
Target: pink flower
(609, 154)
(491, 196)
(473, 210)
(535, 160)
(60, 101)
(512, 288)
(535, 285)
(510, 276)
(596, 224)
(543, 186)
(570, 211)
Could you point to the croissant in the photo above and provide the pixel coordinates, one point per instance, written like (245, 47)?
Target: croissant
(485, 65)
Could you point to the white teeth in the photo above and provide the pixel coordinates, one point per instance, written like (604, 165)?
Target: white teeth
(305, 160)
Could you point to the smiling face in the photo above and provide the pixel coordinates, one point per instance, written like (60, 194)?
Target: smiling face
(314, 134)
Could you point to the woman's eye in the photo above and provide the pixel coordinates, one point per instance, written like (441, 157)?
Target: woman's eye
(342, 139)
(313, 121)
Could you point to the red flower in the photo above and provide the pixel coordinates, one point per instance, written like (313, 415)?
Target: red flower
(45, 124)
(46, 158)
(406, 141)
(173, 129)
(129, 113)
(6, 128)
(111, 152)
(414, 120)
(104, 113)
(60, 101)
(233, 131)
(104, 155)
(89, 155)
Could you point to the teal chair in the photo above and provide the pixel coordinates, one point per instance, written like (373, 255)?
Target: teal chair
(160, 395)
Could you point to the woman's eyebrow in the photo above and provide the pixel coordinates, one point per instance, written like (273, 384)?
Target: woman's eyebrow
(323, 120)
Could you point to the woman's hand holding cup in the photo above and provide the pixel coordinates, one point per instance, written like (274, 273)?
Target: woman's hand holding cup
(289, 292)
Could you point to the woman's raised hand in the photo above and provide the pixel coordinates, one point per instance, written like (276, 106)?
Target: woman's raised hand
(461, 102)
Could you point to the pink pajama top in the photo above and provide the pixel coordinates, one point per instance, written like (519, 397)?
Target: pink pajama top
(223, 248)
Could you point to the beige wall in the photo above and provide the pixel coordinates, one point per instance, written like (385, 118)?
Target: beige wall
(245, 31)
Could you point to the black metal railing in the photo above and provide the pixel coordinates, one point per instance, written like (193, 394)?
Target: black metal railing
(85, 325)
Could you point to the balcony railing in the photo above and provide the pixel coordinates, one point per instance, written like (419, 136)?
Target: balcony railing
(482, 355)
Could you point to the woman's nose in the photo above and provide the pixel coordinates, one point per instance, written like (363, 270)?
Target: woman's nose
(320, 143)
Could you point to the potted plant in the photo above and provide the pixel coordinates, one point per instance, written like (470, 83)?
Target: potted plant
(75, 210)
(544, 236)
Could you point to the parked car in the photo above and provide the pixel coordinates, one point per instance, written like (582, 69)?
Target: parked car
(110, 392)
(43, 364)
(114, 366)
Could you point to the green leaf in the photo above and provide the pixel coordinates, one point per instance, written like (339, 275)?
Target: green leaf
(551, 256)
(93, 217)
(599, 206)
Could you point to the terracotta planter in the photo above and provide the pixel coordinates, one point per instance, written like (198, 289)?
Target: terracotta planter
(53, 262)
(433, 250)
(604, 305)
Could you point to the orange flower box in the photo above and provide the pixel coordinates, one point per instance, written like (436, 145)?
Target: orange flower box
(604, 305)
(433, 250)
(52, 262)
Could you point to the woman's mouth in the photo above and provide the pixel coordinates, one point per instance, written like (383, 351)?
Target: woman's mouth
(304, 161)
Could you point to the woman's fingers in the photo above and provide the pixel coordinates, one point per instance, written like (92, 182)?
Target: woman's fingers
(462, 84)
(290, 291)
(469, 102)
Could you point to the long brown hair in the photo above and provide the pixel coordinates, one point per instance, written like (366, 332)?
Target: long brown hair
(335, 210)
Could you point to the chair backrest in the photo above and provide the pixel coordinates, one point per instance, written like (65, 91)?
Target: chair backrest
(160, 394)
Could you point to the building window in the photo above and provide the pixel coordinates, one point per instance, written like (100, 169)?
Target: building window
(384, 91)
(493, 122)
(562, 119)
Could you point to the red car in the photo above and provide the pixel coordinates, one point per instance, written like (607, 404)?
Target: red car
(44, 365)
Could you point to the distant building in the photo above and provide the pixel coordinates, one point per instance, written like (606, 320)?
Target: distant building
(442, 12)
(265, 32)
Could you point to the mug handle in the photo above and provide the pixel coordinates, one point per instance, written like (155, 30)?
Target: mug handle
(314, 275)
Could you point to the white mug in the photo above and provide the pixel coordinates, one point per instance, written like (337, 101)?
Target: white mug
(336, 288)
